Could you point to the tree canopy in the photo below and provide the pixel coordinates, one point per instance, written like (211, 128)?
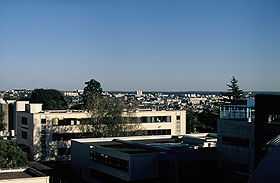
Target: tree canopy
(203, 122)
(11, 156)
(92, 90)
(235, 92)
(50, 98)
(106, 112)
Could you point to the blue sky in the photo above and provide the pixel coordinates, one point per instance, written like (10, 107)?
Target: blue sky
(140, 44)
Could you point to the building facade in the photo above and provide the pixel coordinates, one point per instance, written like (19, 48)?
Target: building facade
(245, 130)
(48, 134)
(145, 158)
(236, 141)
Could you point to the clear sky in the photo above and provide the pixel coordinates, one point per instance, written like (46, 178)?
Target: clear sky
(140, 44)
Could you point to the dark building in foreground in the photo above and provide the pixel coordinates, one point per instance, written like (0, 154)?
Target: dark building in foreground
(267, 123)
(244, 129)
(146, 158)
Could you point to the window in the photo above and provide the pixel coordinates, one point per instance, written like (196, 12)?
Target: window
(156, 132)
(23, 134)
(24, 121)
(156, 119)
(43, 121)
(178, 118)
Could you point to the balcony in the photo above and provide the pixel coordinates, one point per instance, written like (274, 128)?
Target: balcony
(237, 112)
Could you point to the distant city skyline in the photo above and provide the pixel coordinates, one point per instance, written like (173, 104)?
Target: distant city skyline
(149, 45)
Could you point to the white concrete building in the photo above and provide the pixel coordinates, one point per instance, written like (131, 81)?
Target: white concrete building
(48, 134)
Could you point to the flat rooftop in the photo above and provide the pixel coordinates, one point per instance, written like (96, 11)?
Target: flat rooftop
(150, 144)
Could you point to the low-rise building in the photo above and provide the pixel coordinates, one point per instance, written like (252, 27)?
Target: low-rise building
(244, 129)
(140, 158)
(48, 133)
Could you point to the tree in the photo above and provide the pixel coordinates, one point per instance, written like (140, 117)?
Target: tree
(234, 90)
(191, 120)
(106, 113)
(91, 91)
(11, 156)
(208, 121)
(50, 98)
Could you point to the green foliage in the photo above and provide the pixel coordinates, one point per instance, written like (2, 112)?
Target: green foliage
(191, 120)
(50, 98)
(91, 91)
(208, 121)
(106, 113)
(234, 90)
(202, 122)
(11, 156)
(106, 116)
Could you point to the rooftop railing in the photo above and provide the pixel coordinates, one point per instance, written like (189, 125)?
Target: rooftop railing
(237, 112)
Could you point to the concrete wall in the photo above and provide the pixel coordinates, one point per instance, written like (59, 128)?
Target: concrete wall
(29, 128)
(235, 128)
(177, 127)
(237, 153)
(143, 167)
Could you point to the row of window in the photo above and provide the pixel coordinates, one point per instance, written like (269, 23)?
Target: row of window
(146, 119)
(155, 119)
(156, 132)
(109, 160)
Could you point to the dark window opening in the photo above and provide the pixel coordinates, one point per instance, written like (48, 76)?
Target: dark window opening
(24, 121)
(24, 134)
(156, 119)
(43, 121)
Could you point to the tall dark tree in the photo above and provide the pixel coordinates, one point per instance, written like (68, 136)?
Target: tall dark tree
(11, 156)
(235, 92)
(50, 98)
(92, 91)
